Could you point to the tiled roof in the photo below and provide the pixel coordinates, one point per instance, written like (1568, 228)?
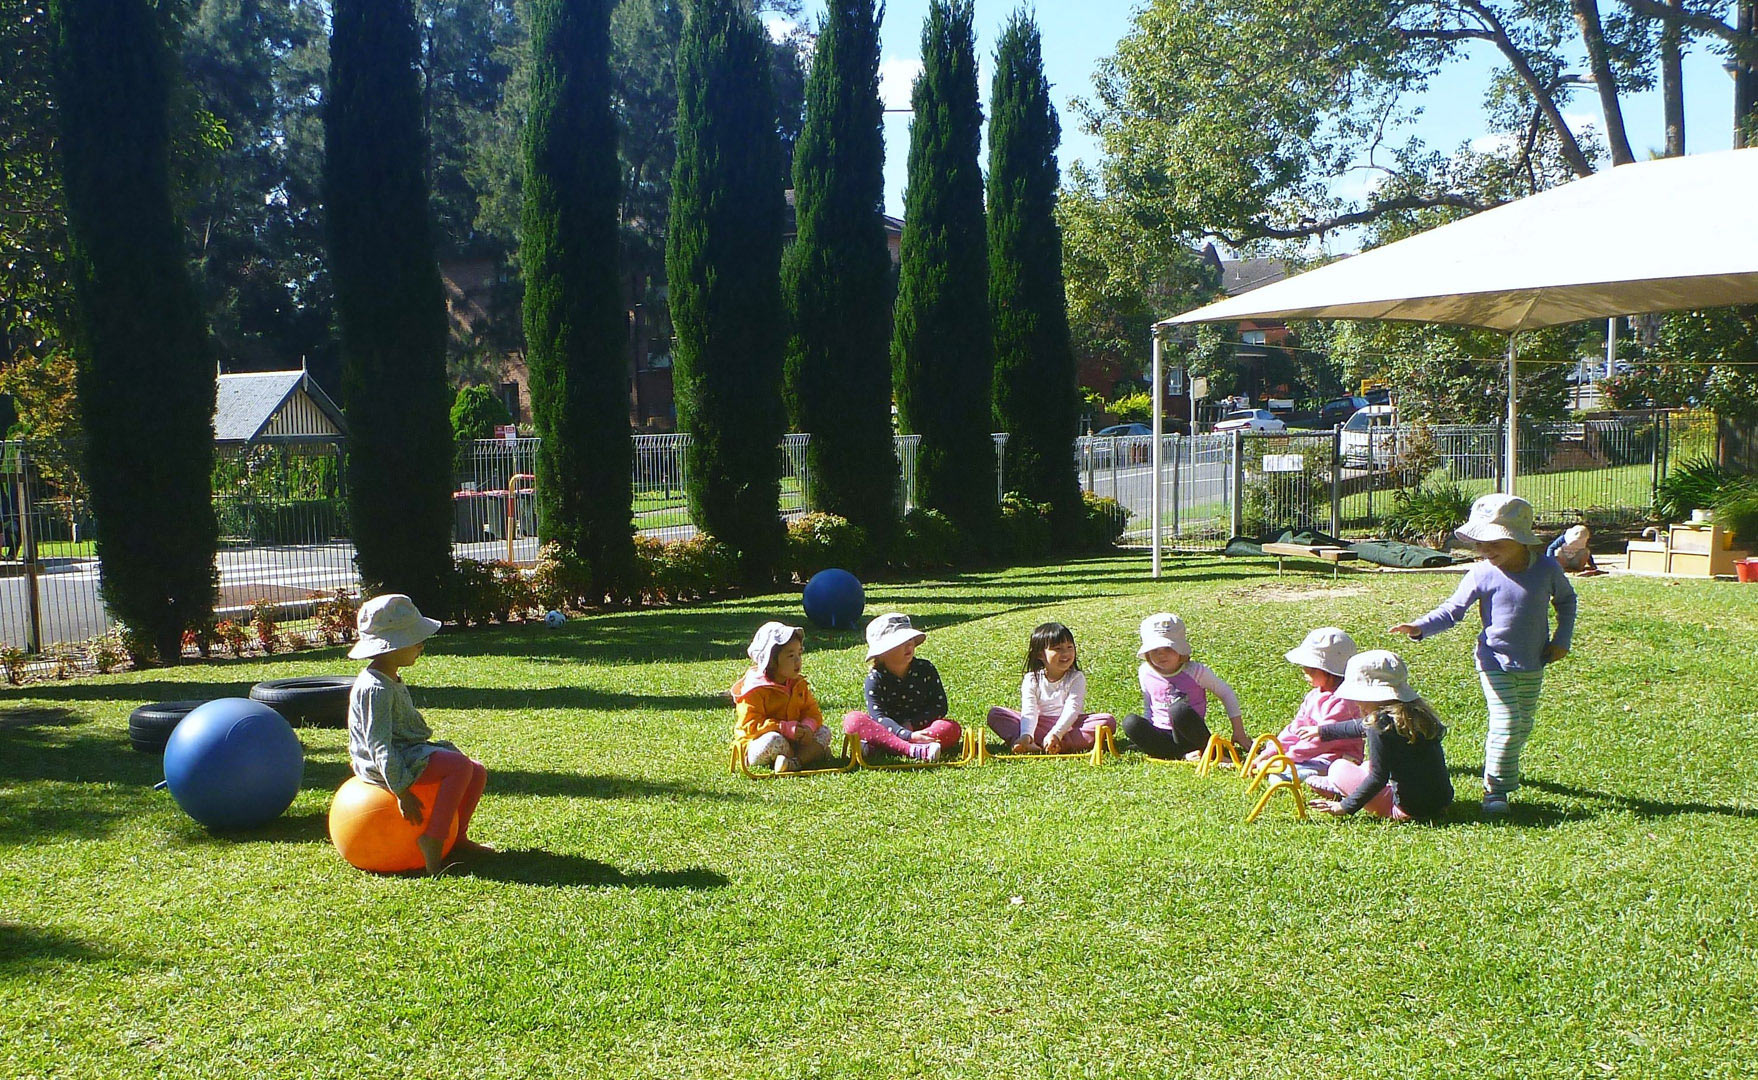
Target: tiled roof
(245, 402)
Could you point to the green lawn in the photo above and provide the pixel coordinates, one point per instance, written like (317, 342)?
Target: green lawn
(651, 916)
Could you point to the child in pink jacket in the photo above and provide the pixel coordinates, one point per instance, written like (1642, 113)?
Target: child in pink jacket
(1322, 656)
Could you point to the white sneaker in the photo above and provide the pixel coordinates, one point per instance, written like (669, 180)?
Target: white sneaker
(926, 751)
(785, 764)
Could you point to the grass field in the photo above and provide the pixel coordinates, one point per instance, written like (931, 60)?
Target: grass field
(651, 916)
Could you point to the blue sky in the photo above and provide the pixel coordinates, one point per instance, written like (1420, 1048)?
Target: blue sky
(1078, 33)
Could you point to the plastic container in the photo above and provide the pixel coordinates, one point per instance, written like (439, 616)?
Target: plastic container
(1746, 570)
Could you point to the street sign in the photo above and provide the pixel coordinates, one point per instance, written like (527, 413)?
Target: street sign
(1199, 388)
(507, 432)
(1284, 463)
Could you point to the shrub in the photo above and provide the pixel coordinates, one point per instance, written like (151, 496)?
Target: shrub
(485, 592)
(928, 540)
(818, 541)
(1736, 509)
(1025, 528)
(106, 652)
(231, 635)
(264, 625)
(1132, 409)
(691, 569)
(1103, 524)
(1427, 513)
(12, 661)
(336, 616)
(562, 579)
(1693, 485)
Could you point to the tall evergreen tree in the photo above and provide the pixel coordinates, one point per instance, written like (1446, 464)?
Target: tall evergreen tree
(723, 259)
(146, 377)
(389, 304)
(836, 277)
(575, 328)
(941, 345)
(1036, 398)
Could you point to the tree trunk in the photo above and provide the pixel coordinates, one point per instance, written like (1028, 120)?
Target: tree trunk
(1593, 39)
(1672, 86)
(1745, 76)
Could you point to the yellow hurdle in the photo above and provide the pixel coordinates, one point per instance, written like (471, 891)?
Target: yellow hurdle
(1271, 765)
(1266, 739)
(1104, 743)
(971, 752)
(1295, 789)
(1219, 746)
(850, 755)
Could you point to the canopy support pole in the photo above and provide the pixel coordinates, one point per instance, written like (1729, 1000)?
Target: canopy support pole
(1513, 437)
(1154, 467)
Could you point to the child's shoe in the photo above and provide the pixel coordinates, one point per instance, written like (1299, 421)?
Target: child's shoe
(1494, 804)
(785, 764)
(925, 752)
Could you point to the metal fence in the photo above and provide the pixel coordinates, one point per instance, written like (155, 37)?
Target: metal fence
(284, 528)
(1215, 486)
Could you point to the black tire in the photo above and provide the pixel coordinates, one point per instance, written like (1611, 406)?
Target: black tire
(308, 701)
(151, 725)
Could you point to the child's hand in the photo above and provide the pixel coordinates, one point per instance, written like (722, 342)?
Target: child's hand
(1053, 744)
(411, 807)
(1554, 652)
(1325, 806)
(1306, 731)
(922, 737)
(1407, 629)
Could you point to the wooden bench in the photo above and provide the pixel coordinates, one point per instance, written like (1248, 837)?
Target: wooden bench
(1332, 555)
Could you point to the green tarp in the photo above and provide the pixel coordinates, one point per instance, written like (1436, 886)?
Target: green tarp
(1378, 552)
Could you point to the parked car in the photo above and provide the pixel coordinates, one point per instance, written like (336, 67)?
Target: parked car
(1252, 420)
(1123, 429)
(1339, 410)
(1368, 436)
(1126, 444)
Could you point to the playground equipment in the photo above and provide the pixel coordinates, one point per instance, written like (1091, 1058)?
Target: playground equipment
(234, 764)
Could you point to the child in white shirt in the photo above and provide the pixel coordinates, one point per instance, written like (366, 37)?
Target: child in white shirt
(1051, 697)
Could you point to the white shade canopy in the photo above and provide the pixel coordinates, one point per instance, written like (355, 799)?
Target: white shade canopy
(1654, 236)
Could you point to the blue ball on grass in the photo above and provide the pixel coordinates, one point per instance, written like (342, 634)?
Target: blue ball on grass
(834, 600)
(234, 764)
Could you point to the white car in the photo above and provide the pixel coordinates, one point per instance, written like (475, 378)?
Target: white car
(1368, 436)
(1252, 420)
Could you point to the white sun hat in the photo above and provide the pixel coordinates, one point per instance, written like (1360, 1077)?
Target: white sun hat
(1499, 517)
(1163, 630)
(1326, 648)
(770, 637)
(389, 622)
(887, 632)
(1575, 537)
(1378, 676)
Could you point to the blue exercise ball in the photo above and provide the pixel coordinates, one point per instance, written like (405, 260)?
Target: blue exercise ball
(835, 600)
(234, 764)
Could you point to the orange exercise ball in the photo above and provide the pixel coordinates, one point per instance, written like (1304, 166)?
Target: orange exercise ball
(368, 828)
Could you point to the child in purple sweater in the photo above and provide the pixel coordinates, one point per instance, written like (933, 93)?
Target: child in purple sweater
(1513, 589)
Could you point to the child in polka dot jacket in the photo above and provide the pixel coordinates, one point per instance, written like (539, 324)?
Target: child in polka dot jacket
(906, 703)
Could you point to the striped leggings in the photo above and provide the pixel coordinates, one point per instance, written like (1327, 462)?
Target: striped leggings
(1512, 697)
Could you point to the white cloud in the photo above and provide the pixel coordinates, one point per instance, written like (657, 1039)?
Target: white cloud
(896, 77)
(1580, 122)
(779, 28)
(1493, 144)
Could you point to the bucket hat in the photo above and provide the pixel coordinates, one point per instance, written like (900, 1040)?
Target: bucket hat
(1377, 675)
(1163, 630)
(1499, 517)
(1326, 648)
(389, 622)
(887, 632)
(770, 637)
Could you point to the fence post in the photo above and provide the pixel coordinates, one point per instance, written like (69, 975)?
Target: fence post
(1236, 483)
(1176, 470)
(27, 544)
(1000, 438)
(1337, 480)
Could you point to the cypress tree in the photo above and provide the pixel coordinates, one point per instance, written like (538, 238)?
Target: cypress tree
(1036, 399)
(389, 305)
(146, 375)
(941, 344)
(723, 260)
(836, 276)
(575, 327)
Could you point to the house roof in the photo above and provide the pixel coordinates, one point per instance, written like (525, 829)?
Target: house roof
(1243, 275)
(246, 404)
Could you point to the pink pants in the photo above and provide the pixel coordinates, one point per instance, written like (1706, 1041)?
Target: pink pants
(1344, 777)
(1006, 723)
(868, 730)
(461, 781)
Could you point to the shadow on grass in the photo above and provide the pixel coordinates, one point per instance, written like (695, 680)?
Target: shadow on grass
(13, 717)
(586, 698)
(1528, 813)
(139, 693)
(29, 948)
(536, 867)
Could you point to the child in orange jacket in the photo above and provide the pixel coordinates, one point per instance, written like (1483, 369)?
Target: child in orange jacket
(775, 707)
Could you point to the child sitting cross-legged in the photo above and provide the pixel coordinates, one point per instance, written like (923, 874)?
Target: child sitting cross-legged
(1051, 698)
(775, 709)
(906, 702)
(1175, 693)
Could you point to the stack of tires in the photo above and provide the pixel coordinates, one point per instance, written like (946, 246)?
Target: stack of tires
(307, 701)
